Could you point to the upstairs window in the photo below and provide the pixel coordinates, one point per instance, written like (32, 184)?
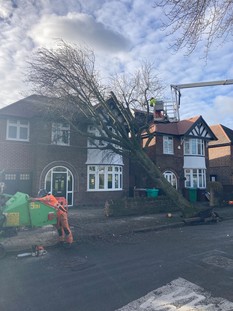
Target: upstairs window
(94, 142)
(61, 134)
(98, 143)
(17, 130)
(168, 145)
(194, 146)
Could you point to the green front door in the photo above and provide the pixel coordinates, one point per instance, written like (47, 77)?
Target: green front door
(59, 184)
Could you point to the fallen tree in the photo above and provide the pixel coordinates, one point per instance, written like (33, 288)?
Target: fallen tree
(67, 75)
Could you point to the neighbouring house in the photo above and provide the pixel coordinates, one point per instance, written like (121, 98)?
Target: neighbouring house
(221, 158)
(179, 149)
(36, 153)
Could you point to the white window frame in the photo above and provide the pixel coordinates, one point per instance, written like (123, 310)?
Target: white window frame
(195, 178)
(69, 184)
(18, 125)
(194, 146)
(171, 178)
(168, 145)
(94, 143)
(58, 132)
(104, 178)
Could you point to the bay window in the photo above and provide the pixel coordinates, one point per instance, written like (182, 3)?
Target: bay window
(194, 146)
(195, 178)
(104, 177)
(95, 143)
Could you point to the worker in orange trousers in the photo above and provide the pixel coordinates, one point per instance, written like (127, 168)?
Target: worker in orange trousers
(63, 228)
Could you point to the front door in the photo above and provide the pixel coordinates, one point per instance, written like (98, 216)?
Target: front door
(59, 184)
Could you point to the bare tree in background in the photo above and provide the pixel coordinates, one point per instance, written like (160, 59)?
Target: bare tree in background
(198, 20)
(67, 74)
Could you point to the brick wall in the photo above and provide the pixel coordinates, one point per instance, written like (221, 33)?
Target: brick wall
(171, 162)
(221, 164)
(139, 206)
(38, 156)
(14, 155)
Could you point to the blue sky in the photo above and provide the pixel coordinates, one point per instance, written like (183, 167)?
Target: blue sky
(122, 33)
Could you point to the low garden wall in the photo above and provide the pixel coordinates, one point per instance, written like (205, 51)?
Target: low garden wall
(139, 206)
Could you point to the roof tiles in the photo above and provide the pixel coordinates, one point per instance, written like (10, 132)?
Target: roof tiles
(26, 108)
(223, 134)
(176, 128)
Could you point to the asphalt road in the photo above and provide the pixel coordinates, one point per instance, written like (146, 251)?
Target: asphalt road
(107, 274)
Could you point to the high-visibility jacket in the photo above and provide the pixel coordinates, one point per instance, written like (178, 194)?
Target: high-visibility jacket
(62, 226)
(152, 102)
(49, 199)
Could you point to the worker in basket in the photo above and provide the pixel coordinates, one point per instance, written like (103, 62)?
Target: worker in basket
(152, 102)
(63, 228)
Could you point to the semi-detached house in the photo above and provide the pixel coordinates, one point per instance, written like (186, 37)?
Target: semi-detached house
(36, 153)
(221, 159)
(180, 151)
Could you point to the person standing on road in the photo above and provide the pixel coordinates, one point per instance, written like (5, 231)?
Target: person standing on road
(63, 228)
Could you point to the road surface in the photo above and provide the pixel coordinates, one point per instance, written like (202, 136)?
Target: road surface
(184, 269)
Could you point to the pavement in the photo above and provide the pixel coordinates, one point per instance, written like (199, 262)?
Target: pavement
(90, 223)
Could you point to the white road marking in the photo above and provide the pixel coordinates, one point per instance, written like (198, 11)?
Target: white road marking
(179, 295)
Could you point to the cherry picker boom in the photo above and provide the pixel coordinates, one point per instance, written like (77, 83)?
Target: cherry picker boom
(178, 87)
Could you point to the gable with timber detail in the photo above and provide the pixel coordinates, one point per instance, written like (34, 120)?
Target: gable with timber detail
(200, 130)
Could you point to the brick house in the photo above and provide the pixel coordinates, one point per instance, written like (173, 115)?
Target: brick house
(180, 151)
(221, 158)
(37, 153)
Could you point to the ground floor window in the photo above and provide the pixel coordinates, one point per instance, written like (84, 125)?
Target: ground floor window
(195, 178)
(104, 177)
(171, 178)
(213, 177)
(60, 182)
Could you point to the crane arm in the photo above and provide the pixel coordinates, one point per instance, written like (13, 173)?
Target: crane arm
(178, 87)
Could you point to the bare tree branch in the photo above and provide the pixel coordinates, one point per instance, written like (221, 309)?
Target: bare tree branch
(198, 20)
(68, 76)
